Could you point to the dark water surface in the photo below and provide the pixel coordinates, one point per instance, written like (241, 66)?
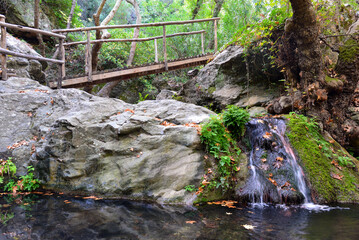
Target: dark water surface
(60, 217)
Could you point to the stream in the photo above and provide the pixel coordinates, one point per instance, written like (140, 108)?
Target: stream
(62, 217)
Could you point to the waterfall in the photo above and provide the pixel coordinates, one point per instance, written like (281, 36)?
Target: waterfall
(275, 175)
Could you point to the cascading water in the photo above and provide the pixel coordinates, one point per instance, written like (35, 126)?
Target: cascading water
(275, 173)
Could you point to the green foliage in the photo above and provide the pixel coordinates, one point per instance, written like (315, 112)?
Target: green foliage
(25, 183)
(190, 188)
(221, 144)
(60, 10)
(5, 217)
(234, 119)
(142, 98)
(215, 136)
(28, 182)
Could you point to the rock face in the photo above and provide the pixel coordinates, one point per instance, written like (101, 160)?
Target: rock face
(22, 13)
(79, 142)
(224, 81)
(21, 66)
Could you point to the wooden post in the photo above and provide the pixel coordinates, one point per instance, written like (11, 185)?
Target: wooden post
(202, 41)
(88, 58)
(164, 48)
(156, 51)
(62, 65)
(3, 45)
(215, 36)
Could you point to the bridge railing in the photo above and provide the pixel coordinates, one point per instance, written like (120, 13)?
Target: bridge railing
(164, 36)
(4, 52)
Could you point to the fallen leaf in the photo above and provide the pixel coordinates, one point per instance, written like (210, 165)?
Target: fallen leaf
(279, 159)
(286, 184)
(336, 164)
(238, 168)
(337, 176)
(273, 181)
(293, 189)
(228, 213)
(267, 135)
(277, 164)
(129, 110)
(191, 222)
(247, 226)
(263, 160)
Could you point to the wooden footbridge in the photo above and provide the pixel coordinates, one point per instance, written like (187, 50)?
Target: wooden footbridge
(92, 77)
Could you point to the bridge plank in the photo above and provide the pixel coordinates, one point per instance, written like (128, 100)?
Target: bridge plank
(125, 74)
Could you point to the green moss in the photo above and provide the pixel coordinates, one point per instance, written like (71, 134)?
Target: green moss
(329, 79)
(349, 51)
(317, 154)
(177, 98)
(211, 90)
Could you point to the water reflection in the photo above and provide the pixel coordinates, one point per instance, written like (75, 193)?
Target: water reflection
(59, 217)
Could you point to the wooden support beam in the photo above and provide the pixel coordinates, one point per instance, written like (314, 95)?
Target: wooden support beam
(88, 58)
(3, 45)
(61, 65)
(16, 54)
(31, 30)
(134, 39)
(202, 42)
(165, 48)
(156, 51)
(134, 25)
(215, 37)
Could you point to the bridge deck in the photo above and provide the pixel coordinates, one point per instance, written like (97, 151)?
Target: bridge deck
(104, 77)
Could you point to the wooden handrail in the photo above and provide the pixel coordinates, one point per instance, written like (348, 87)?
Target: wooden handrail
(32, 30)
(135, 39)
(4, 52)
(12, 53)
(134, 25)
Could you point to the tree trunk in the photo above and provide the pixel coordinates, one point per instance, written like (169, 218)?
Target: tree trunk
(69, 20)
(303, 66)
(37, 25)
(104, 35)
(216, 11)
(106, 90)
(196, 9)
(302, 53)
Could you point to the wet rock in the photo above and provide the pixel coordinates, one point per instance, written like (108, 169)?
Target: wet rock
(274, 170)
(79, 142)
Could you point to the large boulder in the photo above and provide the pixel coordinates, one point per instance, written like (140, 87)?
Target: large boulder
(225, 81)
(79, 142)
(23, 67)
(21, 12)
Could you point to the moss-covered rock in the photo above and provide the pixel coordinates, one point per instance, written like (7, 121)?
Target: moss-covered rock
(331, 171)
(349, 51)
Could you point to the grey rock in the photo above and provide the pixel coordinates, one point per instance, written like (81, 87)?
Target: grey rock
(224, 81)
(21, 66)
(22, 13)
(99, 145)
(165, 94)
